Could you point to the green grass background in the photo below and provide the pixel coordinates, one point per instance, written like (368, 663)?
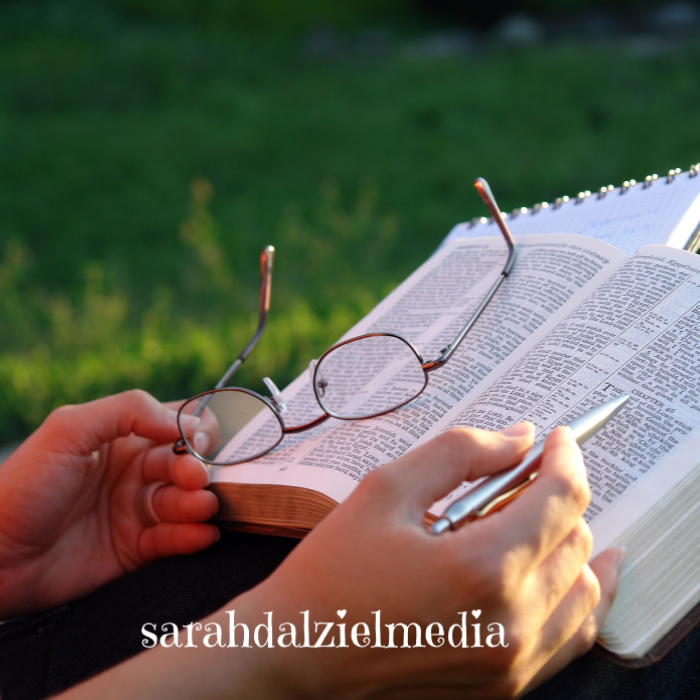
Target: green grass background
(148, 150)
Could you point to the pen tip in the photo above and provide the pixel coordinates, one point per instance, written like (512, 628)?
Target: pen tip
(620, 401)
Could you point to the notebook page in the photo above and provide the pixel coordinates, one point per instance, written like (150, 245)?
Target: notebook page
(667, 211)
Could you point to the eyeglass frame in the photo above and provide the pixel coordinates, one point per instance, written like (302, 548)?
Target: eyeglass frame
(276, 402)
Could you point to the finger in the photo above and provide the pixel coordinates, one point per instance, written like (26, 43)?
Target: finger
(170, 539)
(160, 464)
(175, 505)
(145, 507)
(547, 585)
(188, 472)
(203, 432)
(606, 568)
(537, 521)
(431, 471)
(106, 419)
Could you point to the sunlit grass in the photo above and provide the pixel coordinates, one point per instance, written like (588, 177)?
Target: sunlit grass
(144, 166)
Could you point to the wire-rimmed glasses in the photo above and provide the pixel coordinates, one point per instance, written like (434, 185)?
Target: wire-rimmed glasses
(360, 377)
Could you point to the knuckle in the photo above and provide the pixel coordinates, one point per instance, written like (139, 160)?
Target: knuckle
(457, 440)
(584, 537)
(579, 578)
(496, 577)
(137, 396)
(585, 636)
(581, 492)
(578, 543)
(579, 489)
(60, 418)
(591, 588)
(504, 575)
(379, 482)
(574, 486)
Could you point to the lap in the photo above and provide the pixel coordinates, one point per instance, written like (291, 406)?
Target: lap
(44, 654)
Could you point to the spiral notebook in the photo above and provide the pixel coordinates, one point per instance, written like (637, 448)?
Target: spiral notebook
(663, 210)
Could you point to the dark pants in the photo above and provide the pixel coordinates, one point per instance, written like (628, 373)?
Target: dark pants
(46, 653)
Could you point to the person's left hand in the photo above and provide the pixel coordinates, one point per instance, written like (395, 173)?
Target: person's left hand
(96, 492)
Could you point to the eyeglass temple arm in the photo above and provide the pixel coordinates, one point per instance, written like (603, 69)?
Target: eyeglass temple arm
(482, 187)
(267, 257)
(485, 191)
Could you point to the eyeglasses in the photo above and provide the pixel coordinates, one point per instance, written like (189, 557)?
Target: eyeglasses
(362, 377)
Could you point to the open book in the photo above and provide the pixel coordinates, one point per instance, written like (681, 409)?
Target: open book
(577, 322)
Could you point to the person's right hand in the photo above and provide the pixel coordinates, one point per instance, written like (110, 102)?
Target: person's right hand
(525, 567)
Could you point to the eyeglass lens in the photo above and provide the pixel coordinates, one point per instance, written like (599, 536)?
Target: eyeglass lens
(368, 376)
(239, 424)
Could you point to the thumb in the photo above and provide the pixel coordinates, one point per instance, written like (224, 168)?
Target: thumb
(84, 428)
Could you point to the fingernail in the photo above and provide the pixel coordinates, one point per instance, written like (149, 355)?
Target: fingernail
(189, 422)
(205, 469)
(518, 429)
(201, 443)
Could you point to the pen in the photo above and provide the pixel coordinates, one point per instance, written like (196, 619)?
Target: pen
(499, 488)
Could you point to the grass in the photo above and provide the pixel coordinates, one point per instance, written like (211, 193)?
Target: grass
(144, 164)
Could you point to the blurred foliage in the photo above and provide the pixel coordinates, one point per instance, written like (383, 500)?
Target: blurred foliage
(266, 17)
(147, 157)
(272, 15)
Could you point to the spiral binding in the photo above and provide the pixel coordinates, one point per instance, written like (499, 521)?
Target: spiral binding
(581, 197)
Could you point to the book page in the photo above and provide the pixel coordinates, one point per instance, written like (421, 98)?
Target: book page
(551, 275)
(638, 334)
(665, 212)
(660, 582)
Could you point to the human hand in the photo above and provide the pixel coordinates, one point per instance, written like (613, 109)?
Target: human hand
(524, 567)
(95, 492)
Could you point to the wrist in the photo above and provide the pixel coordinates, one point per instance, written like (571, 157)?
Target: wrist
(283, 660)
(190, 669)
(247, 660)
(19, 594)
